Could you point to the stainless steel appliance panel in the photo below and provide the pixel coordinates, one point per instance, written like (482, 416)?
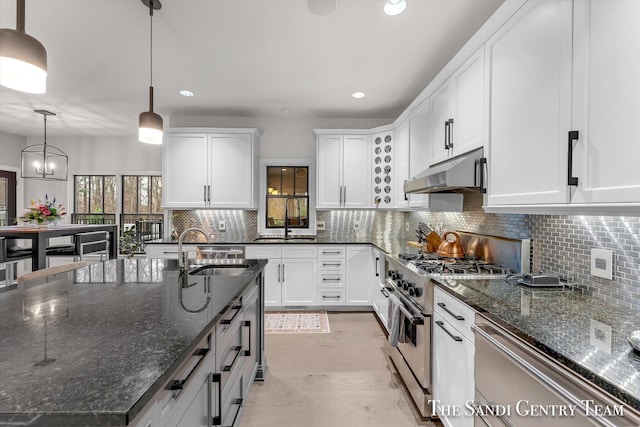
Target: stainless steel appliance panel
(515, 382)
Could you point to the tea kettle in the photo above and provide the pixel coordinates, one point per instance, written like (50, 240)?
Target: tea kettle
(450, 248)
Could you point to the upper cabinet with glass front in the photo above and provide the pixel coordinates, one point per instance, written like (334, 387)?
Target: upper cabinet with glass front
(210, 168)
(287, 199)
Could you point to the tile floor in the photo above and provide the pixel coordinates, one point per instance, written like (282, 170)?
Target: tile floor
(336, 379)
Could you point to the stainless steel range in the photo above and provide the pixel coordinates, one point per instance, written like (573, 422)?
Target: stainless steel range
(409, 279)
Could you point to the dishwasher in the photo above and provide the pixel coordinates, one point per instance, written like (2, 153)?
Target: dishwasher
(517, 385)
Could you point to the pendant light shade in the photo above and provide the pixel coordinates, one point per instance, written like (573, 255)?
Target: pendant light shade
(42, 161)
(395, 7)
(150, 126)
(23, 59)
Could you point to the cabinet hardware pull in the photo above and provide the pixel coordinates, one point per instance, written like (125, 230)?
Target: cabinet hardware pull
(178, 385)
(238, 402)
(214, 420)
(169, 252)
(204, 194)
(238, 309)
(247, 324)
(385, 293)
(238, 350)
(446, 133)
(324, 279)
(331, 252)
(208, 193)
(455, 337)
(377, 261)
(340, 196)
(450, 134)
(483, 171)
(279, 273)
(444, 307)
(572, 180)
(282, 273)
(345, 195)
(331, 264)
(330, 297)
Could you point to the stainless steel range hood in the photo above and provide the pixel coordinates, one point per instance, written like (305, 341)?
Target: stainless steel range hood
(462, 174)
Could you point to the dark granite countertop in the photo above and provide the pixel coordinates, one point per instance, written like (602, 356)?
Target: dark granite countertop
(584, 333)
(387, 244)
(120, 340)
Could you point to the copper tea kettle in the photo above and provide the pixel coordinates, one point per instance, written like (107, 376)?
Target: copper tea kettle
(450, 248)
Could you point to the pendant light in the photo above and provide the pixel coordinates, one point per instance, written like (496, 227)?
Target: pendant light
(23, 59)
(44, 161)
(395, 7)
(150, 123)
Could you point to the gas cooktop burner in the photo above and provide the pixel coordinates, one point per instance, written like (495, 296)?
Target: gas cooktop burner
(435, 264)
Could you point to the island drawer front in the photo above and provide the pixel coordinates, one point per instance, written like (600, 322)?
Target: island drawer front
(230, 356)
(457, 313)
(331, 296)
(331, 252)
(191, 373)
(233, 402)
(299, 251)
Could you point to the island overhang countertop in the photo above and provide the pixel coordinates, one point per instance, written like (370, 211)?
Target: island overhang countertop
(116, 331)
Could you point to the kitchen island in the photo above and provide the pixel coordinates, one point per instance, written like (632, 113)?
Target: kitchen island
(118, 332)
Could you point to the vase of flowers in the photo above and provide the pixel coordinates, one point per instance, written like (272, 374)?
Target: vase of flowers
(43, 213)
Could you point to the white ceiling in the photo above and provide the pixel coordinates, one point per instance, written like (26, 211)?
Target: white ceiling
(241, 58)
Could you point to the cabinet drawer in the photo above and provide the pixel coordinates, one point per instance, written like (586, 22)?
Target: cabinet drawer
(180, 390)
(330, 296)
(299, 251)
(233, 403)
(263, 251)
(330, 252)
(327, 279)
(454, 311)
(331, 264)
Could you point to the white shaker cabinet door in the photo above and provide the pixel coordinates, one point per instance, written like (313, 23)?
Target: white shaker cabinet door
(468, 126)
(231, 171)
(300, 278)
(606, 101)
(419, 149)
(441, 121)
(359, 272)
(185, 171)
(357, 172)
(329, 171)
(530, 91)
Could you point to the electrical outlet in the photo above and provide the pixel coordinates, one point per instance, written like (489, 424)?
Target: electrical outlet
(601, 263)
(319, 225)
(406, 226)
(222, 225)
(356, 225)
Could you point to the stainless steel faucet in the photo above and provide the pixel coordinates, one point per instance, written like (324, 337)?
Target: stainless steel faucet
(286, 214)
(183, 257)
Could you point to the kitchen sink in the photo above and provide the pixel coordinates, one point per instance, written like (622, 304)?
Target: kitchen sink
(219, 267)
(291, 239)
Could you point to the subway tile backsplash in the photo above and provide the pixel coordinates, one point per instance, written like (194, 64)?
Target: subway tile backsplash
(561, 244)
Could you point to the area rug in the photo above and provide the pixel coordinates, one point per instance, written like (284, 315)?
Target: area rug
(296, 322)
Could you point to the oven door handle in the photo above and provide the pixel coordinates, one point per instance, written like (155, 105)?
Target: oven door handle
(414, 320)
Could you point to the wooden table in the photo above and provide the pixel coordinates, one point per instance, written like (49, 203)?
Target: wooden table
(40, 236)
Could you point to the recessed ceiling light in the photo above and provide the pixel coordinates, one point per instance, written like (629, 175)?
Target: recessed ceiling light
(395, 7)
(358, 95)
(186, 93)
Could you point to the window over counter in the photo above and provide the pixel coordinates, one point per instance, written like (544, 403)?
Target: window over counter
(287, 197)
(287, 186)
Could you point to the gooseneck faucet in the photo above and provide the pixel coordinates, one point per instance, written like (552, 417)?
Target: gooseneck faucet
(286, 214)
(183, 257)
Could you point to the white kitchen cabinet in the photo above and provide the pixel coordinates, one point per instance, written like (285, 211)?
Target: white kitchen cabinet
(402, 164)
(419, 150)
(457, 111)
(344, 171)
(212, 168)
(530, 91)
(383, 167)
(359, 272)
(331, 275)
(290, 276)
(454, 358)
(606, 101)
(379, 295)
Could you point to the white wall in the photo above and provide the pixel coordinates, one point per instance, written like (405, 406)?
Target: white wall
(10, 148)
(285, 136)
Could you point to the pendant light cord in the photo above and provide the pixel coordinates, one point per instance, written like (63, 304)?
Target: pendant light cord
(151, 41)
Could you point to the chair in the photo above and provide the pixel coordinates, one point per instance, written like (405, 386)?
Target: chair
(9, 257)
(46, 272)
(84, 243)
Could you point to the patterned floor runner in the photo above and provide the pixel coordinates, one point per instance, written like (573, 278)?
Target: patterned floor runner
(296, 322)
